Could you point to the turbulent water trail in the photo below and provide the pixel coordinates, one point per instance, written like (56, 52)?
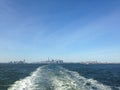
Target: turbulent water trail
(53, 77)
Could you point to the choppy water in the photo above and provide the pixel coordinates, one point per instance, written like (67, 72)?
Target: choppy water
(59, 77)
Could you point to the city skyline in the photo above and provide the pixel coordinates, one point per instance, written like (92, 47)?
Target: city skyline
(71, 30)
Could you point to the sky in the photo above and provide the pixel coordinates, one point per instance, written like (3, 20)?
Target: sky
(71, 30)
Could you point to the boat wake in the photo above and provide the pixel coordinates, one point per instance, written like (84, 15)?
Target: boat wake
(53, 77)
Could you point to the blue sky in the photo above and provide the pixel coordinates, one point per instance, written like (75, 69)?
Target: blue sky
(72, 30)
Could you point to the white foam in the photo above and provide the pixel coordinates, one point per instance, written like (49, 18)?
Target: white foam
(26, 83)
(56, 78)
(72, 80)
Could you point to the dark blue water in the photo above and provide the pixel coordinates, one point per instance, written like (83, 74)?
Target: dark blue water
(60, 77)
(108, 74)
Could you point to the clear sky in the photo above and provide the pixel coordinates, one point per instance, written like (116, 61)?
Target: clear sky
(72, 30)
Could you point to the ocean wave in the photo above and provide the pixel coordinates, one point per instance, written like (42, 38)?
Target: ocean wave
(53, 77)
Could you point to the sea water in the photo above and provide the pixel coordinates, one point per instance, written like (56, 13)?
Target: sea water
(60, 77)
